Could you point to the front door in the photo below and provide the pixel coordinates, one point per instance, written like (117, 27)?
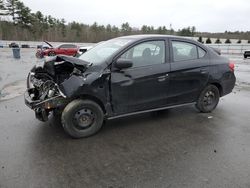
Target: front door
(143, 86)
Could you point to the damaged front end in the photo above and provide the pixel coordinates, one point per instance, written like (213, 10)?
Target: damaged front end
(52, 84)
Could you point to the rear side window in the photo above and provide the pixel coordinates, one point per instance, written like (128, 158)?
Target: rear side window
(201, 52)
(63, 46)
(183, 51)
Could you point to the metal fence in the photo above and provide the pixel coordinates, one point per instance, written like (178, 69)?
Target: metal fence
(234, 49)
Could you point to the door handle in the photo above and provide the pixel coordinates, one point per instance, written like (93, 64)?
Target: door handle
(203, 71)
(162, 78)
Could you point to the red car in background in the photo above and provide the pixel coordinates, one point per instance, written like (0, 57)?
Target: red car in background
(63, 49)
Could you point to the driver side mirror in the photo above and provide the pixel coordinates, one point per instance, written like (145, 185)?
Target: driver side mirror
(123, 63)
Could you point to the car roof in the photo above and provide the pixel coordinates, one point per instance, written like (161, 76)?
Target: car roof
(159, 36)
(145, 36)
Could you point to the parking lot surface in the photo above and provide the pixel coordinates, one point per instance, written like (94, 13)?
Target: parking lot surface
(174, 148)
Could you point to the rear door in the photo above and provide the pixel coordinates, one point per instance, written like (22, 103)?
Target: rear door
(189, 71)
(145, 85)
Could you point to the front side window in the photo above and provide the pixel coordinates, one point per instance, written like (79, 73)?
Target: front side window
(146, 53)
(62, 46)
(183, 51)
(67, 46)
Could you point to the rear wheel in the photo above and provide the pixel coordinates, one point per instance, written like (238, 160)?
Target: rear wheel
(208, 99)
(82, 118)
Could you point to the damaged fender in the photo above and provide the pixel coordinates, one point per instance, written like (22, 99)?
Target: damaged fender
(70, 86)
(60, 79)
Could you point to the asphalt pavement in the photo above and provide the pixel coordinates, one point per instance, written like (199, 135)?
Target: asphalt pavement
(174, 148)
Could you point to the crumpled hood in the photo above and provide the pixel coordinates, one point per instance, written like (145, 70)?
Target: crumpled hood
(69, 59)
(69, 73)
(49, 64)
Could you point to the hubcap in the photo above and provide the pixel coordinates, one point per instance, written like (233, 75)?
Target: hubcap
(209, 98)
(84, 118)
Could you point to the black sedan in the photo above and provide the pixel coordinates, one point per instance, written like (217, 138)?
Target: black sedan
(127, 76)
(246, 54)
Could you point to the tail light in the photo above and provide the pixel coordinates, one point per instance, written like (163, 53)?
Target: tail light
(231, 65)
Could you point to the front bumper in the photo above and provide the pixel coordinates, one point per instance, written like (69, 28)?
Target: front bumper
(43, 107)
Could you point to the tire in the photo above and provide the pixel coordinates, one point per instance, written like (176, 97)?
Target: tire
(208, 99)
(245, 56)
(52, 54)
(82, 118)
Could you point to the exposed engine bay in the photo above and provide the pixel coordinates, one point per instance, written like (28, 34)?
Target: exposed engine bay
(48, 78)
(47, 81)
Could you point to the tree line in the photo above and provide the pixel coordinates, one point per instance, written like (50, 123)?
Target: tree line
(18, 22)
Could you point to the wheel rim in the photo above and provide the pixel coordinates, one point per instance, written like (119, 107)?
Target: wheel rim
(84, 118)
(209, 99)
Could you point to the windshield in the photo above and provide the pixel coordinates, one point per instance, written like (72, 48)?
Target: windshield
(103, 51)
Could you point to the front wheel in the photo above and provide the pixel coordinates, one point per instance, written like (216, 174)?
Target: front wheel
(82, 118)
(208, 99)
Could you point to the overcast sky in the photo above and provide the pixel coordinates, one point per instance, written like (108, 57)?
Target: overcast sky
(205, 15)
